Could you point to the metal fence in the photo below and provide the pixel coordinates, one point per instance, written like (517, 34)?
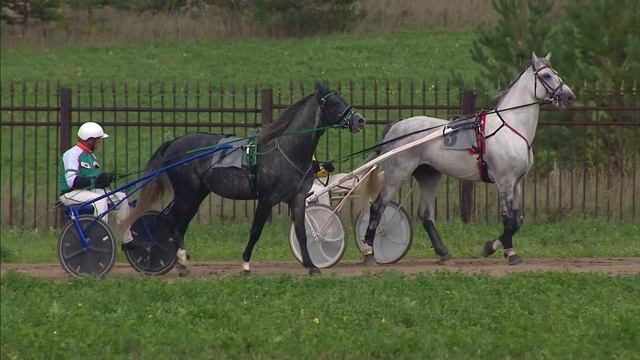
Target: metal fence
(587, 156)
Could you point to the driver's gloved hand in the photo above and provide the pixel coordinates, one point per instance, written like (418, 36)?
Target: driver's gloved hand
(103, 180)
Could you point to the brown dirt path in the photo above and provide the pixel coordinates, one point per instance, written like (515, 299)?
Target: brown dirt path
(495, 267)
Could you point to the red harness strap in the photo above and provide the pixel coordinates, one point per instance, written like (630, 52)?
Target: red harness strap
(481, 148)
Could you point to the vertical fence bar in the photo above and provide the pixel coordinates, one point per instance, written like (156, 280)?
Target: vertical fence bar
(64, 103)
(65, 119)
(467, 207)
(266, 105)
(35, 158)
(12, 91)
(47, 93)
(24, 155)
(210, 119)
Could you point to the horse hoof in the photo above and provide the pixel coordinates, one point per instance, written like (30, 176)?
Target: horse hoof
(515, 259)
(369, 260)
(246, 266)
(444, 258)
(488, 249)
(314, 271)
(183, 272)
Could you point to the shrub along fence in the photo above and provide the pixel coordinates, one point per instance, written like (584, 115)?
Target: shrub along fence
(586, 162)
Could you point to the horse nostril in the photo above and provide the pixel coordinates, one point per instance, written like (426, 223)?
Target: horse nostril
(570, 98)
(361, 121)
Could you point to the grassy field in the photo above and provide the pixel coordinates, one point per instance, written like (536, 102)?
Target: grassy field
(410, 54)
(226, 241)
(390, 316)
(543, 315)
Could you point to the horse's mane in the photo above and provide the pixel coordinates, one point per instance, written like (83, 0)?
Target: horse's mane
(504, 92)
(275, 128)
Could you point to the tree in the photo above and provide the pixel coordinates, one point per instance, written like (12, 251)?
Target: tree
(504, 50)
(301, 18)
(21, 12)
(599, 41)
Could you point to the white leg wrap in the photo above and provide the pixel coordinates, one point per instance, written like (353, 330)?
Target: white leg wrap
(496, 244)
(246, 266)
(367, 250)
(509, 252)
(182, 256)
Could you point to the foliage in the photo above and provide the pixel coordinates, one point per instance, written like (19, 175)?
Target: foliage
(23, 11)
(276, 17)
(5, 254)
(385, 316)
(599, 41)
(303, 18)
(505, 49)
(610, 57)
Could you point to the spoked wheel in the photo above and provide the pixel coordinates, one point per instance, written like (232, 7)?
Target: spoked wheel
(325, 236)
(94, 259)
(393, 235)
(157, 245)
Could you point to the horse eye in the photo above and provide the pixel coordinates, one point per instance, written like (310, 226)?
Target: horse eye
(547, 76)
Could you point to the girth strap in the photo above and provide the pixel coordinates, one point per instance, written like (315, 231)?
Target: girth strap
(481, 148)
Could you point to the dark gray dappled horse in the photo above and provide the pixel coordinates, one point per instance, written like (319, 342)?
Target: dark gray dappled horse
(284, 169)
(509, 130)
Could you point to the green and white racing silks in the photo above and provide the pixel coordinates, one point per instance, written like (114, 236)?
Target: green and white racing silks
(77, 162)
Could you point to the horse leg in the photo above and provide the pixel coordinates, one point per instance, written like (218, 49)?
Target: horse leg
(511, 220)
(262, 214)
(183, 210)
(298, 205)
(375, 214)
(428, 179)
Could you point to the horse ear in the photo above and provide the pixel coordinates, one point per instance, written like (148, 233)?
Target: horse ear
(321, 86)
(548, 57)
(534, 57)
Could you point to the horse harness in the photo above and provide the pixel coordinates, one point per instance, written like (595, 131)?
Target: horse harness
(478, 125)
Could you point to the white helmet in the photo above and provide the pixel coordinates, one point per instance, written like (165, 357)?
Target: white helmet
(91, 130)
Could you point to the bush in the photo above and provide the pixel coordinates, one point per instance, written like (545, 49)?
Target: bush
(23, 11)
(303, 18)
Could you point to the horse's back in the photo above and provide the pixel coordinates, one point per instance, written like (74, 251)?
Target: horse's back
(187, 143)
(455, 163)
(416, 124)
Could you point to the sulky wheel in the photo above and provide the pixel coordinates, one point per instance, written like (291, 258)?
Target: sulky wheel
(157, 245)
(393, 235)
(96, 257)
(325, 236)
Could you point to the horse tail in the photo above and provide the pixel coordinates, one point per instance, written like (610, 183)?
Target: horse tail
(151, 191)
(370, 186)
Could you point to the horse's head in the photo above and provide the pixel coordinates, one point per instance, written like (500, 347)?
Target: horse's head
(553, 89)
(336, 111)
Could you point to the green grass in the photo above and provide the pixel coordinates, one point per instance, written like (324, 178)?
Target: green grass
(226, 241)
(390, 316)
(409, 54)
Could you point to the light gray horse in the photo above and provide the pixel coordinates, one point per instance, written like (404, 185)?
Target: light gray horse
(509, 130)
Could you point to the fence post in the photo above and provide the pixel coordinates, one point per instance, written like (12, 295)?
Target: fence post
(467, 206)
(65, 127)
(266, 96)
(65, 119)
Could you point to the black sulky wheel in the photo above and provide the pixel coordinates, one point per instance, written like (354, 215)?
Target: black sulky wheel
(95, 259)
(157, 245)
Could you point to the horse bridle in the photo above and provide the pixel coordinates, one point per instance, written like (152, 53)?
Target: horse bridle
(553, 92)
(346, 117)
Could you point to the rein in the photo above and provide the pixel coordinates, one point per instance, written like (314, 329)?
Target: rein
(496, 111)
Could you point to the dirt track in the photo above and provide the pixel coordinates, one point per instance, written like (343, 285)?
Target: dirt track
(496, 267)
